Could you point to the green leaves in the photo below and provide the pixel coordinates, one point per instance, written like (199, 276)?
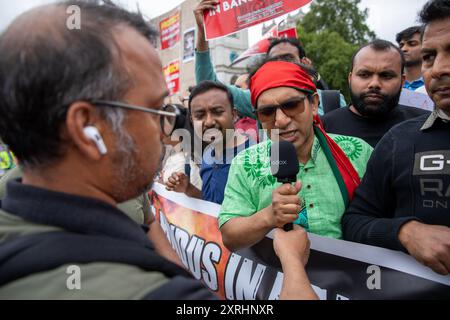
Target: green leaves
(331, 32)
(341, 16)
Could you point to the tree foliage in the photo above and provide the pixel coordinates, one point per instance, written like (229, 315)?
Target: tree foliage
(331, 55)
(341, 16)
(331, 32)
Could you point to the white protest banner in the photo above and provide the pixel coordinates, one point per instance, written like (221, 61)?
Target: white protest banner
(337, 269)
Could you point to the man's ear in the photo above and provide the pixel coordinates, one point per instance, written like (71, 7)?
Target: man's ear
(315, 103)
(79, 116)
(235, 115)
(403, 80)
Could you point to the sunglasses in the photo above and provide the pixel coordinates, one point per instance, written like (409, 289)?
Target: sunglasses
(290, 108)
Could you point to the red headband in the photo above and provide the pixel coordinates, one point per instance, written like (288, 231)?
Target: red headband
(277, 74)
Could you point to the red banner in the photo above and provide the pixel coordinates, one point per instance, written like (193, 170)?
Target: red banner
(231, 16)
(172, 74)
(288, 33)
(260, 47)
(170, 31)
(263, 45)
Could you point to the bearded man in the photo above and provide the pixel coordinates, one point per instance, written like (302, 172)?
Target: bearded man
(376, 80)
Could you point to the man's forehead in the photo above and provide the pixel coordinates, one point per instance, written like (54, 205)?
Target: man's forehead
(284, 46)
(368, 58)
(210, 98)
(435, 33)
(415, 36)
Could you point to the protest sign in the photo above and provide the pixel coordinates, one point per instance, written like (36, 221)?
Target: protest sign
(231, 16)
(419, 100)
(189, 45)
(260, 47)
(337, 269)
(172, 74)
(288, 33)
(170, 30)
(263, 45)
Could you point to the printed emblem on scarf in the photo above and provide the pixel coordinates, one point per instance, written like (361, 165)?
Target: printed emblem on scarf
(352, 147)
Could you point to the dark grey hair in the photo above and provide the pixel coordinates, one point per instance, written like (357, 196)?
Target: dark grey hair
(45, 67)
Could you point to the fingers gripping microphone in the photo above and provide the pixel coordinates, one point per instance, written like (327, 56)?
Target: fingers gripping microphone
(284, 166)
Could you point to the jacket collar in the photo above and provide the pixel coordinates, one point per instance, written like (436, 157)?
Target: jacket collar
(71, 213)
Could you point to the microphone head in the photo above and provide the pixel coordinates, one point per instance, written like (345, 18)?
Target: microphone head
(283, 162)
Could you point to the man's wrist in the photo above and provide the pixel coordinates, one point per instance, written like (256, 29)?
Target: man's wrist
(405, 232)
(268, 219)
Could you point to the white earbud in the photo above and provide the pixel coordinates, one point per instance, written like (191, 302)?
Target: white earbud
(93, 134)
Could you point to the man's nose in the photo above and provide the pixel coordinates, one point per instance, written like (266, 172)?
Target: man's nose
(281, 119)
(375, 82)
(210, 121)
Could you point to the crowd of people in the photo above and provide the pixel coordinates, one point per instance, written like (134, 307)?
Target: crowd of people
(91, 134)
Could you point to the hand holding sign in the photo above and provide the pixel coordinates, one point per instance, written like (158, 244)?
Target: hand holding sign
(230, 16)
(199, 11)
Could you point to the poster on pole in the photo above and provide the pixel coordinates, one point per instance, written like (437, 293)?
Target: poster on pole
(170, 30)
(189, 45)
(263, 45)
(258, 48)
(231, 16)
(172, 74)
(288, 33)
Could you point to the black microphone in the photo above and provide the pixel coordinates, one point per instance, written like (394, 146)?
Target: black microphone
(284, 166)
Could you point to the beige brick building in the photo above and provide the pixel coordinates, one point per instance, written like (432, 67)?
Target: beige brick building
(223, 50)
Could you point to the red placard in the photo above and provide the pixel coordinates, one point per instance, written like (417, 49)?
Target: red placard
(260, 47)
(170, 31)
(288, 33)
(263, 45)
(172, 73)
(231, 16)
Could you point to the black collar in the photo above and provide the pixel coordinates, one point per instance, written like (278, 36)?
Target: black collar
(71, 213)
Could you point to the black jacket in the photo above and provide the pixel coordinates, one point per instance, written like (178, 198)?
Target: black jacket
(407, 178)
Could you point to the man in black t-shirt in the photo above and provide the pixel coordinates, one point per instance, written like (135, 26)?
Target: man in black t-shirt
(403, 202)
(376, 80)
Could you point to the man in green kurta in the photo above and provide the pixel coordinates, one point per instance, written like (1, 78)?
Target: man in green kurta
(255, 203)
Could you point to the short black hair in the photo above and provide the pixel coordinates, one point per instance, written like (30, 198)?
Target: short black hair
(435, 10)
(46, 69)
(208, 85)
(408, 33)
(292, 41)
(380, 45)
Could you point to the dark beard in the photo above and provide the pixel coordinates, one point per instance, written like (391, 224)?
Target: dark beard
(379, 111)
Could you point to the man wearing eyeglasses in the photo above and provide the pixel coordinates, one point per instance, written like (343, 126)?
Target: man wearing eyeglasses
(85, 123)
(330, 166)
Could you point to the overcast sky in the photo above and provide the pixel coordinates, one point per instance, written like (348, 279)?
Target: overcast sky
(386, 17)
